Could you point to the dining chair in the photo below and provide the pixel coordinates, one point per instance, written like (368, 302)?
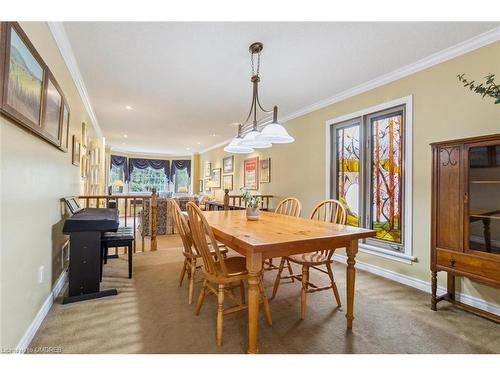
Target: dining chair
(223, 272)
(329, 210)
(191, 254)
(292, 207)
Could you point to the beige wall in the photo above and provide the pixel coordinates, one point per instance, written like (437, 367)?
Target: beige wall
(34, 177)
(442, 110)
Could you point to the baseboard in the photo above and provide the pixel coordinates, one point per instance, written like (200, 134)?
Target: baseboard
(422, 285)
(42, 313)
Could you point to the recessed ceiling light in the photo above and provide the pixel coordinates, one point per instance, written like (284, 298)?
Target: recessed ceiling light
(125, 136)
(123, 143)
(187, 148)
(213, 135)
(198, 143)
(128, 108)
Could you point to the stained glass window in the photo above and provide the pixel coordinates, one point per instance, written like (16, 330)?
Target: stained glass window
(368, 174)
(348, 168)
(386, 177)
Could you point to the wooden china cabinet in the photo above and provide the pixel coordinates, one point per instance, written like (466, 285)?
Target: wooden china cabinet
(465, 238)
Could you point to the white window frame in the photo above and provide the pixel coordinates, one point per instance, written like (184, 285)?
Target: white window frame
(406, 256)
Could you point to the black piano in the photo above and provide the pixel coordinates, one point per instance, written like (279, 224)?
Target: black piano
(85, 227)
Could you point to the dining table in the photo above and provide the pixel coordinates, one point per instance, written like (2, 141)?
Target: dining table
(274, 235)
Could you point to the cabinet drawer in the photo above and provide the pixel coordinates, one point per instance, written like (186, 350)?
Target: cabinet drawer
(469, 264)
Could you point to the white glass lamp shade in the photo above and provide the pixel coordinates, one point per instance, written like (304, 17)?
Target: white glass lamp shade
(235, 147)
(252, 140)
(275, 133)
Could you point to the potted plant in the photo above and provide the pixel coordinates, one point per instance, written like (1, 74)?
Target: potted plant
(252, 204)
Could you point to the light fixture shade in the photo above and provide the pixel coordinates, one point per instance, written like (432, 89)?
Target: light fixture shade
(275, 133)
(252, 140)
(235, 147)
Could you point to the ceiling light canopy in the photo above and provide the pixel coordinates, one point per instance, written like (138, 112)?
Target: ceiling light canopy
(249, 136)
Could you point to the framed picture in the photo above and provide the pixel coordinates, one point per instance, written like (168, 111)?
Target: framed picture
(250, 176)
(65, 128)
(52, 114)
(200, 186)
(228, 164)
(227, 182)
(207, 185)
(30, 96)
(208, 169)
(23, 78)
(265, 170)
(84, 135)
(75, 156)
(216, 178)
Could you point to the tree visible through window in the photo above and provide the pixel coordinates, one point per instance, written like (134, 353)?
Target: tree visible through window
(116, 174)
(369, 180)
(181, 183)
(143, 180)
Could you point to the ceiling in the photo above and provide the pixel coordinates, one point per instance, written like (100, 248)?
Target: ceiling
(188, 83)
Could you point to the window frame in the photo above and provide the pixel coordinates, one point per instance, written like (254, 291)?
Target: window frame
(166, 186)
(373, 246)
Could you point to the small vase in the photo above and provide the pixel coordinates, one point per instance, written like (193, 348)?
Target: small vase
(252, 213)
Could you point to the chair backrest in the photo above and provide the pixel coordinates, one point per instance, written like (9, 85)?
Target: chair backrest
(182, 225)
(200, 229)
(330, 210)
(289, 206)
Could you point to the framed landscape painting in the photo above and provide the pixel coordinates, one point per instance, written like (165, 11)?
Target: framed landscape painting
(228, 164)
(75, 156)
(65, 128)
(265, 170)
(208, 169)
(216, 178)
(23, 78)
(250, 176)
(53, 111)
(227, 182)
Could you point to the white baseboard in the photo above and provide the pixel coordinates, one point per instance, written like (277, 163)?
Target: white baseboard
(42, 313)
(422, 285)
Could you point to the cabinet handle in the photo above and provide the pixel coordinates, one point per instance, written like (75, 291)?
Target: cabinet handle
(452, 262)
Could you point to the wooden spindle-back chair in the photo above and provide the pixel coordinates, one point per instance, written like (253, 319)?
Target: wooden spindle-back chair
(220, 271)
(190, 252)
(291, 207)
(330, 210)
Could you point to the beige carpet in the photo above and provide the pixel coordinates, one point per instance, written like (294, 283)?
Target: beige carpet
(151, 315)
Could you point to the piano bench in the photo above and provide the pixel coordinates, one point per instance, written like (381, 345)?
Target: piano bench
(123, 237)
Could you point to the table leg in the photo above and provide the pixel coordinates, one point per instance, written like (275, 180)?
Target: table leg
(254, 268)
(351, 250)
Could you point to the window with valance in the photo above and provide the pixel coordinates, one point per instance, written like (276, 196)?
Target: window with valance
(180, 175)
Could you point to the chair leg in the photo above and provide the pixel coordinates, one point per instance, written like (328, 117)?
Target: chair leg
(242, 291)
(201, 298)
(290, 269)
(265, 302)
(278, 278)
(303, 297)
(183, 271)
(220, 315)
(130, 261)
(334, 286)
(191, 281)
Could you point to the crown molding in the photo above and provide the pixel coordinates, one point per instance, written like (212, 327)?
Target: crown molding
(449, 53)
(62, 41)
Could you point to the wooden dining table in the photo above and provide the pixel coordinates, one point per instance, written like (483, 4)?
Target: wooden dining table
(275, 235)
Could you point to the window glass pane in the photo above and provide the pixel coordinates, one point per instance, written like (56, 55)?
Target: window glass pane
(348, 168)
(386, 177)
(181, 181)
(116, 174)
(143, 180)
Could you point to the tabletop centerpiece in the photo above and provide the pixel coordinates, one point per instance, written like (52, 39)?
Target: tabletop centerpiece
(252, 203)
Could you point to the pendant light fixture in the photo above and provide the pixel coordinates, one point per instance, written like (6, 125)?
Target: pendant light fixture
(249, 136)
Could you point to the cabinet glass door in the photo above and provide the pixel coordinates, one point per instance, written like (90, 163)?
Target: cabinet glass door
(484, 198)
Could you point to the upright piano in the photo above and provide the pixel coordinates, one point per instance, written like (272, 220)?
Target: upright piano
(85, 227)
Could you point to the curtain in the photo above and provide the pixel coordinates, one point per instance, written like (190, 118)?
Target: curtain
(121, 162)
(153, 163)
(178, 165)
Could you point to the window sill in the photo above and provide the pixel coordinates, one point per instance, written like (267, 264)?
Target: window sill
(387, 254)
